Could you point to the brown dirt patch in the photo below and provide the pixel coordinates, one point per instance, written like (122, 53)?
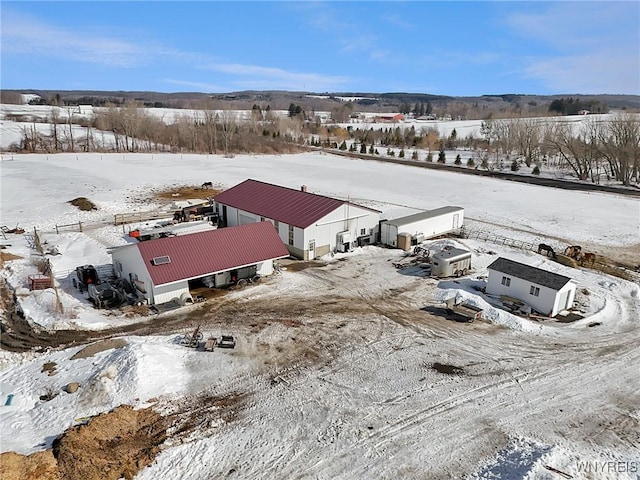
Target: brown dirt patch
(83, 204)
(185, 192)
(7, 257)
(113, 445)
(37, 466)
(447, 369)
(299, 265)
(101, 346)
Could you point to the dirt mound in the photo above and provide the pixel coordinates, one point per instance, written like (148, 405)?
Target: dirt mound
(37, 466)
(83, 203)
(91, 350)
(185, 191)
(112, 445)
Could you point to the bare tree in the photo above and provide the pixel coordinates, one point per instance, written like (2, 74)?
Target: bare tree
(526, 134)
(228, 127)
(579, 151)
(619, 144)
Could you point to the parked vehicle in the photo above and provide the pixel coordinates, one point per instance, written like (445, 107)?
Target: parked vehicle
(463, 310)
(226, 341)
(85, 276)
(452, 262)
(105, 295)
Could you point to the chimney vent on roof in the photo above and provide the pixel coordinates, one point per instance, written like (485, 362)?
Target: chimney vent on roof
(303, 188)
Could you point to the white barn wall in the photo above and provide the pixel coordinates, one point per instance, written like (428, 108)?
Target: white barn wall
(345, 218)
(166, 293)
(264, 268)
(132, 263)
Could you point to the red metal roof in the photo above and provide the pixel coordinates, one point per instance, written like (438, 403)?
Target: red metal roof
(198, 254)
(286, 205)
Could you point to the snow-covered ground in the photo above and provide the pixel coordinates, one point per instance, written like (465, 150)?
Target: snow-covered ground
(336, 362)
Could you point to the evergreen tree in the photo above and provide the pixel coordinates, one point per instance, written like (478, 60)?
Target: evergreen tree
(363, 148)
(442, 157)
(458, 160)
(401, 154)
(414, 155)
(471, 163)
(343, 145)
(515, 166)
(536, 170)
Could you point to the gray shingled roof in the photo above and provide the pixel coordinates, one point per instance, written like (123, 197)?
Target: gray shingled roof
(529, 273)
(416, 217)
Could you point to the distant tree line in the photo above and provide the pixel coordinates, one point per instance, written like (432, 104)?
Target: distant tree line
(133, 129)
(573, 106)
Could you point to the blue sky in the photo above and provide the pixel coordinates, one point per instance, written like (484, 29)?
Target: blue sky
(444, 48)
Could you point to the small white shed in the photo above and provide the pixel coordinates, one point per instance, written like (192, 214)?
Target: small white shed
(423, 225)
(546, 292)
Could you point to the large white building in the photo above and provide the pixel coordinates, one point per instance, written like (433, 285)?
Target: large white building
(423, 225)
(167, 269)
(309, 225)
(544, 291)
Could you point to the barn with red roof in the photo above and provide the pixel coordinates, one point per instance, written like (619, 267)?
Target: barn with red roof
(310, 225)
(167, 269)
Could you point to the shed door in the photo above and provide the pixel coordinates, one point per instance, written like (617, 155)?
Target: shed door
(456, 220)
(312, 249)
(563, 304)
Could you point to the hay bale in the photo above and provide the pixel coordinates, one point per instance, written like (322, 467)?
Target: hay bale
(71, 387)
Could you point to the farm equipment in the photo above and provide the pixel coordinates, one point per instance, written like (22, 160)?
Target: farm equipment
(226, 341)
(85, 276)
(422, 253)
(105, 295)
(192, 339)
(463, 309)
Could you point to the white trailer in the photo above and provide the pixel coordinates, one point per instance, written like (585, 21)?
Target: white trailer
(452, 262)
(422, 226)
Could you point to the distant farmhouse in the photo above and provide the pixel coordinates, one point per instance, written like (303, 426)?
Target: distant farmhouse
(310, 225)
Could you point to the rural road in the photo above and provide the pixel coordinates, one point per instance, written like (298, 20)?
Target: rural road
(514, 177)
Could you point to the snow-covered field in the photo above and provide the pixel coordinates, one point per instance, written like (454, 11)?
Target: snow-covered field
(336, 362)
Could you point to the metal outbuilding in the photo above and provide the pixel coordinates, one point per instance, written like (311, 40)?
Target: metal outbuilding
(423, 225)
(165, 269)
(310, 225)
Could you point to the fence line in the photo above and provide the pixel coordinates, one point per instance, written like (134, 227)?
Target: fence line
(79, 225)
(500, 240)
(124, 218)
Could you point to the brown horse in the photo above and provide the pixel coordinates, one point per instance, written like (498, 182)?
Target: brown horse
(589, 258)
(573, 251)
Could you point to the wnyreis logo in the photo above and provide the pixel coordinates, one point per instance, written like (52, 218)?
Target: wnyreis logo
(608, 467)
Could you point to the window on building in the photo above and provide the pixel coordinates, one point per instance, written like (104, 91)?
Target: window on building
(276, 224)
(535, 291)
(363, 231)
(262, 219)
(506, 281)
(290, 234)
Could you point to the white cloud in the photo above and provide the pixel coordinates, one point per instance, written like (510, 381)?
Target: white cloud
(203, 86)
(277, 78)
(578, 25)
(24, 35)
(594, 72)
